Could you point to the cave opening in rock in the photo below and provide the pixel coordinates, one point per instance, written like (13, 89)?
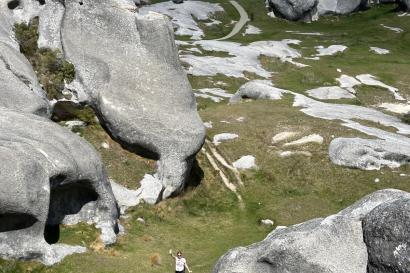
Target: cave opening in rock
(13, 4)
(16, 221)
(65, 199)
(42, 2)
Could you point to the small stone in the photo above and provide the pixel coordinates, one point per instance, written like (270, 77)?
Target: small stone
(141, 220)
(267, 222)
(105, 145)
(223, 137)
(208, 125)
(245, 162)
(377, 180)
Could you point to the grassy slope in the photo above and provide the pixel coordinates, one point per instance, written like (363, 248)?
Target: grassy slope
(206, 221)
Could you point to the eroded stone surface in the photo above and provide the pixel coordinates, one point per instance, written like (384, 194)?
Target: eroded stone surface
(127, 67)
(49, 176)
(329, 245)
(19, 87)
(294, 9)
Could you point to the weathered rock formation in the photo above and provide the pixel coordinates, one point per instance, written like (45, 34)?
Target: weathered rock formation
(370, 154)
(310, 10)
(258, 89)
(386, 234)
(48, 176)
(294, 10)
(127, 68)
(340, 7)
(19, 87)
(337, 243)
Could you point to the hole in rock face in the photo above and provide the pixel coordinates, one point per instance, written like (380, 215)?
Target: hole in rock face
(13, 4)
(16, 221)
(52, 233)
(81, 3)
(42, 2)
(66, 199)
(69, 199)
(57, 180)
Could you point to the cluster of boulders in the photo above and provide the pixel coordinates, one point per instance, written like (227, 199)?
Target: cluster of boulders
(371, 236)
(311, 10)
(127, 69)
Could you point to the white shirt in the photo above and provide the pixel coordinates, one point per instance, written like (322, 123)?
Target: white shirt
(180, 264)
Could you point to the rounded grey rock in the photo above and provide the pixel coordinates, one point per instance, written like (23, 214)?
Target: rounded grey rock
(127, 68)
(294, 9)
(386, 233)
(327, 245)
(340, 7)
(369, 154)
(48, 176)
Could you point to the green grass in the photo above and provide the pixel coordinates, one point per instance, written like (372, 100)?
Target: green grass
(123, 167)
(206, 221)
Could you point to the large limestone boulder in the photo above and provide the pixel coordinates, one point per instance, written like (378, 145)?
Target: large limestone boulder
(386, 234)
(127, 68)
(340, 7)
(294, 9)
(370, 154)
(19, 87)
(48, 176)
(332, 244)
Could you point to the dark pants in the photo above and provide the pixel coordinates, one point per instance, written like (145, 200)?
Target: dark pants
(183, 271)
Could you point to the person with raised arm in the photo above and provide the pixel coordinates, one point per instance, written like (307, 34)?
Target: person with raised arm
(180, 262)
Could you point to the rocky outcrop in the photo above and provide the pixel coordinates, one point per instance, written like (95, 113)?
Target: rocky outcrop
(127, 68)
(311, 10)
(340, 7)
(329, 245)
(294, 10)
(19, 87)
(370, 154)
(258, 89)
(48, 176)
(386, 234)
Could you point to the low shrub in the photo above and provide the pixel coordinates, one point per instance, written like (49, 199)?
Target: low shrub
(51, 68)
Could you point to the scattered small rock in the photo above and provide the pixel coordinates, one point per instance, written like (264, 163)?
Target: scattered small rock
(208, 124)
(290, 153)
(378, 50)
(331, 50)
(141, 220)
(223, 137)
(105, 145)
(314, 138)
(245, 162)
(75, 124)
(283, 136)
(267, 222)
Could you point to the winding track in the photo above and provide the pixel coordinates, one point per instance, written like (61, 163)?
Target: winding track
(244, 18)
